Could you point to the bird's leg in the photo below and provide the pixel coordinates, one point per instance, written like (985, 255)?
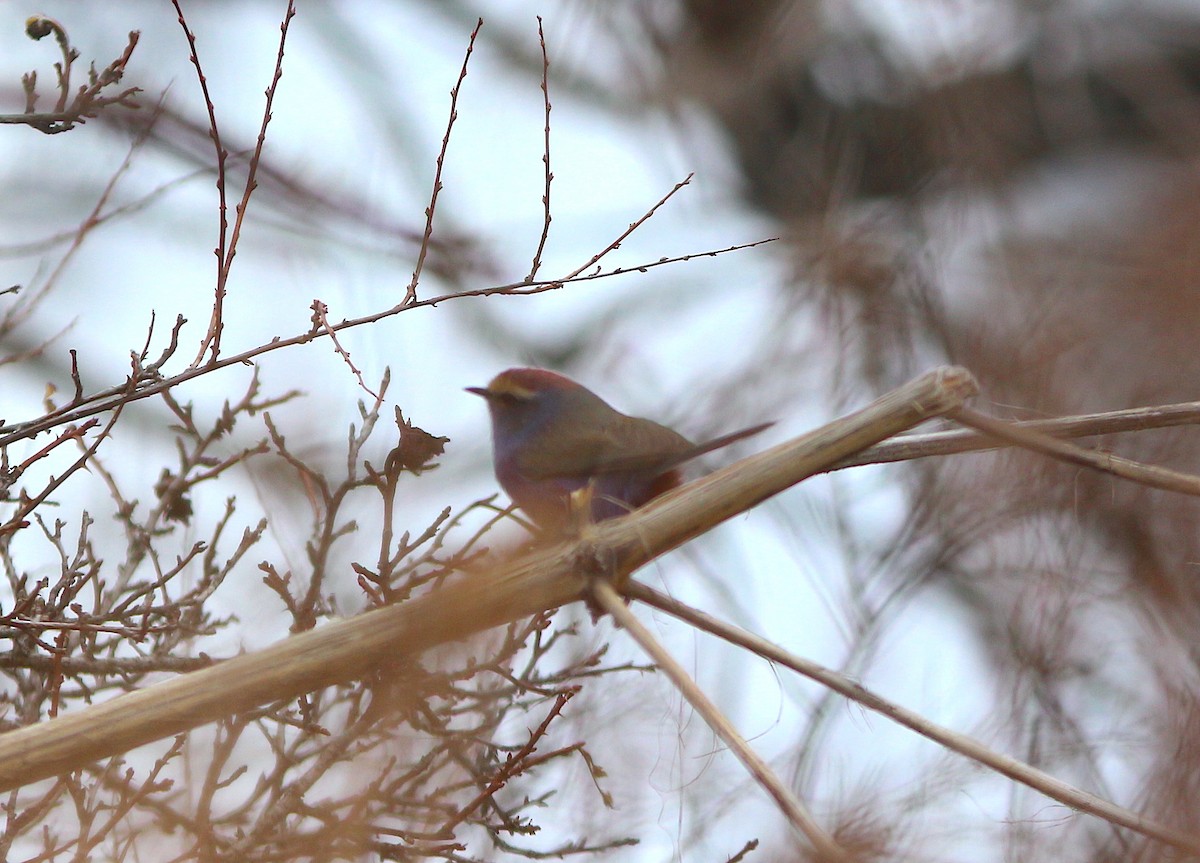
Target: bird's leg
(579, 509)
(587, 561)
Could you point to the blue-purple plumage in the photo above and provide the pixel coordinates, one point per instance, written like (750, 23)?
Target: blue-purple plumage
(552, 436)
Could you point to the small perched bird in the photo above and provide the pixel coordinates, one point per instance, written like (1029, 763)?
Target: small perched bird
(552, 437)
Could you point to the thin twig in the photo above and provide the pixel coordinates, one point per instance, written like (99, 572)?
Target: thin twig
(514, 765)
(548, 175)
(212, 340)
(222, 157)
(410, 293)
(633, 226)
(541, 578)
(89, 100)
(70, 433)
(962, 744)
(106, 400)
(100, 666)
(320, 321)
(606, 596)
(135, 204)
(28, 505)
(94, 218)
(911, 446)
(1151, 475)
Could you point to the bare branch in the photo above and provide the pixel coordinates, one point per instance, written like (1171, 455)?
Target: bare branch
(153, 384)
(610, 601)
(1155, 477)
(544, 578)
(547, 173)
(410, 293)
(88, 101)
(962, 744)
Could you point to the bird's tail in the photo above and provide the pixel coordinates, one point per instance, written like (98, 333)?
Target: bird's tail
(726, 440)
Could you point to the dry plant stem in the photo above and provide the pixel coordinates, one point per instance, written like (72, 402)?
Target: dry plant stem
(513, 763)
(28, 505)
(64, 71)
(664, 524)
(543, 579)
(607, 598)
(72, 665)
(906, 447)
(1155, 477)
(960, 743)
(343, 650)
(72, 433)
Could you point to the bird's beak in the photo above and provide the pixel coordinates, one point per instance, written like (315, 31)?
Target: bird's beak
(479, 391)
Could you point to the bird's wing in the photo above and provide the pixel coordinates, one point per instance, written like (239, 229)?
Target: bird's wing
(644, 447)
(617, 447)
(657, 453)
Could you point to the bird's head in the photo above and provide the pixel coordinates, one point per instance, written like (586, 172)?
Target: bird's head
(522, 400)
